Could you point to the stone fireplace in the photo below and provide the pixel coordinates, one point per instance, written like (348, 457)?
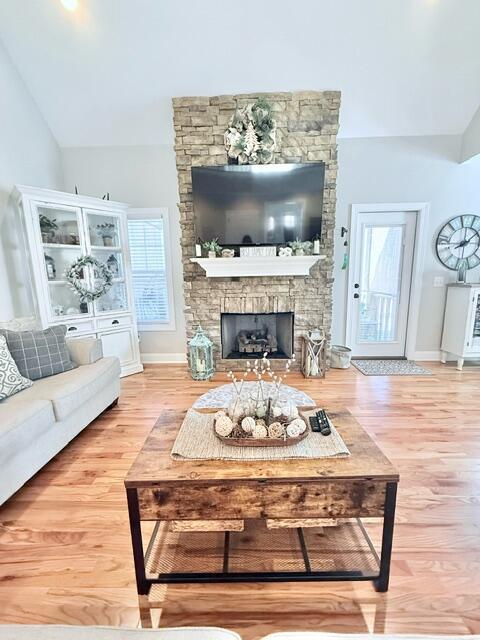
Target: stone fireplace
(250, 335)
(307, 125)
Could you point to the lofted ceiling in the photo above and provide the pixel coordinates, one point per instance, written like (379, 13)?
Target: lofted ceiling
(105, 73)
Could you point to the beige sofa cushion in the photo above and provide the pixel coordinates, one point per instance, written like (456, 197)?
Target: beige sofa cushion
(70, 390)
(52, 632)
(22, 419)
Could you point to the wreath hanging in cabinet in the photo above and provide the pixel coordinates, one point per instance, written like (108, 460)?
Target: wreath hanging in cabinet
(75, 277)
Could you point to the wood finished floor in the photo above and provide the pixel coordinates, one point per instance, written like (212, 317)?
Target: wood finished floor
(65, 552)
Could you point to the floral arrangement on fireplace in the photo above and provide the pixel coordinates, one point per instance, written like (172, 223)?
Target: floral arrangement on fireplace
(263, 412)
(251, 134)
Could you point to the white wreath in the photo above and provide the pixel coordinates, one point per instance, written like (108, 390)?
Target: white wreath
(103, 278)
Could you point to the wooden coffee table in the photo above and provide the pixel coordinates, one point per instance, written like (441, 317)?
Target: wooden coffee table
(163, 490)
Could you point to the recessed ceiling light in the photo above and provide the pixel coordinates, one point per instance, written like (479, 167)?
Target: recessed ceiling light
(70, 5)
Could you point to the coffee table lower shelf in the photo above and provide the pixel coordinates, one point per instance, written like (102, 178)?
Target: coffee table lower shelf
(258, 554)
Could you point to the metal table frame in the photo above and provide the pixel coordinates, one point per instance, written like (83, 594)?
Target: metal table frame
(380, 580)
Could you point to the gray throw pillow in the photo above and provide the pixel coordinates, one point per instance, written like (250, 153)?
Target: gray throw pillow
(10, 379)
(39, 354)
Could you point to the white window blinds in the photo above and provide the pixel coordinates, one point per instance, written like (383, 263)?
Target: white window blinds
(147, 251)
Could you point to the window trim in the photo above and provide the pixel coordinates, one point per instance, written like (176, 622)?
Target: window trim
(163, 214)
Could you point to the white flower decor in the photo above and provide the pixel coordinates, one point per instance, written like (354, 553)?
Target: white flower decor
(251, 134)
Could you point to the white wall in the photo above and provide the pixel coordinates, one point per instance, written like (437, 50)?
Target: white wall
(28, 155)
(417, 169)
(142, 176)
(471, 138)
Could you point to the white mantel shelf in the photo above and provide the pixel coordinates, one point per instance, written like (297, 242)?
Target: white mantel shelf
(257, 266)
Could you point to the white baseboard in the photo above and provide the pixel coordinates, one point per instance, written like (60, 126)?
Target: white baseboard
(427, 356)
(163, 358)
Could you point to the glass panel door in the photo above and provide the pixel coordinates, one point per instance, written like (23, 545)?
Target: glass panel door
(380, 281)
(381, 272)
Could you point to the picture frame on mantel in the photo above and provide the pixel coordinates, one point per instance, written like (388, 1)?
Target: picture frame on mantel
(255, 252)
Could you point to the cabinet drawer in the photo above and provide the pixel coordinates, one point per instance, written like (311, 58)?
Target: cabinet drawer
(114, 322)
(80, 327)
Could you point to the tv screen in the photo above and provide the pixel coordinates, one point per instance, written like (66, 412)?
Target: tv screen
(258, 204)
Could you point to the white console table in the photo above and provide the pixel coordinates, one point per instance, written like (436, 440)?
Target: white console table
(461, 326)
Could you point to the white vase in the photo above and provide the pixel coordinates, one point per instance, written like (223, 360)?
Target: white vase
(212, 254)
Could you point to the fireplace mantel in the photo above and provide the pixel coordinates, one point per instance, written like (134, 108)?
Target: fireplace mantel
(257, 266)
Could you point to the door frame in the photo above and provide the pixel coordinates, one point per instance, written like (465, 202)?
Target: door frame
(421, 209)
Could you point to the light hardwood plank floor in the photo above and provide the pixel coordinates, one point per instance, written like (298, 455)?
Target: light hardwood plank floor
(65, 552)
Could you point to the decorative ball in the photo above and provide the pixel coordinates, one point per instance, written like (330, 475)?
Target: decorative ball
(219, 414)
(224, 426)
(259, 431)
(248, 424)
(261, 422)
(276, 430)
(300, 423)
(296, 428)
(276, 411)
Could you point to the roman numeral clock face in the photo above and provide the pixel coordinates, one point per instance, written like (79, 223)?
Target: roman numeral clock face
(459, 240)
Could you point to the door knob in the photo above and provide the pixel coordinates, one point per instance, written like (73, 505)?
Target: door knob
(356, 295)
(356, 285)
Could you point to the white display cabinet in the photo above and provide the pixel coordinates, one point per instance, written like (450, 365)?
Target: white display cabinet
(61, 227)
(461, 326)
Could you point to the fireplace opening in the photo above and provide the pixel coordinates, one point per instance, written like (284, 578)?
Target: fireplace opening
(250, 335)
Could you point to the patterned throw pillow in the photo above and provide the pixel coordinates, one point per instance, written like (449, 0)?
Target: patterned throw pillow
(10, 379)
(39, 354)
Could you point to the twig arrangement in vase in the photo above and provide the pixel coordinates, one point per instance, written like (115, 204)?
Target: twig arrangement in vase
(263, 416)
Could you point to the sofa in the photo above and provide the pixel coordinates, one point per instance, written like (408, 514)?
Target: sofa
(41, 632)
(37, 423)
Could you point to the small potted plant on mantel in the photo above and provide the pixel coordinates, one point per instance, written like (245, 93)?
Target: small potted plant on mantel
(212, 247)
(301, 248)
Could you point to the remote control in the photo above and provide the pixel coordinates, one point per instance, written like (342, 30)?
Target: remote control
(323, 422)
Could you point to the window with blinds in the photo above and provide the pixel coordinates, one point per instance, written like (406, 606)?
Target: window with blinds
(149, 275)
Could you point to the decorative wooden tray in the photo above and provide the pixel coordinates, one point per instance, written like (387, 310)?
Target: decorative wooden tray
(250, 441)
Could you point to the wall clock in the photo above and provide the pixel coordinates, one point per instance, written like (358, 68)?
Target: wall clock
(459, 240)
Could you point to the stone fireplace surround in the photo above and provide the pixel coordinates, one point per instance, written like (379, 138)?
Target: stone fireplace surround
(307, 125)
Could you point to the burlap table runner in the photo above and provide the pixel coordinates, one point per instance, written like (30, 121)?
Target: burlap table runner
(197, 441)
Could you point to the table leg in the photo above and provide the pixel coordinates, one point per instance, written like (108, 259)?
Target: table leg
(381, 583)
(145, 612)
(143, 586)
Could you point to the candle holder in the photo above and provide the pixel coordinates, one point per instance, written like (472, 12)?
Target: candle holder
(200, 355)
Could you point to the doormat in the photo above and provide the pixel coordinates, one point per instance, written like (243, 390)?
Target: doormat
(390, 368)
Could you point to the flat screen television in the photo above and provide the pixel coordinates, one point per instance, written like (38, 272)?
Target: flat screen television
(258, 204)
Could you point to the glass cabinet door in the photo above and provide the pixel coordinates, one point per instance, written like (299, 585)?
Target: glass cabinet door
(104, 236)
(62, 243)
(103, 231)
(59, 226)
